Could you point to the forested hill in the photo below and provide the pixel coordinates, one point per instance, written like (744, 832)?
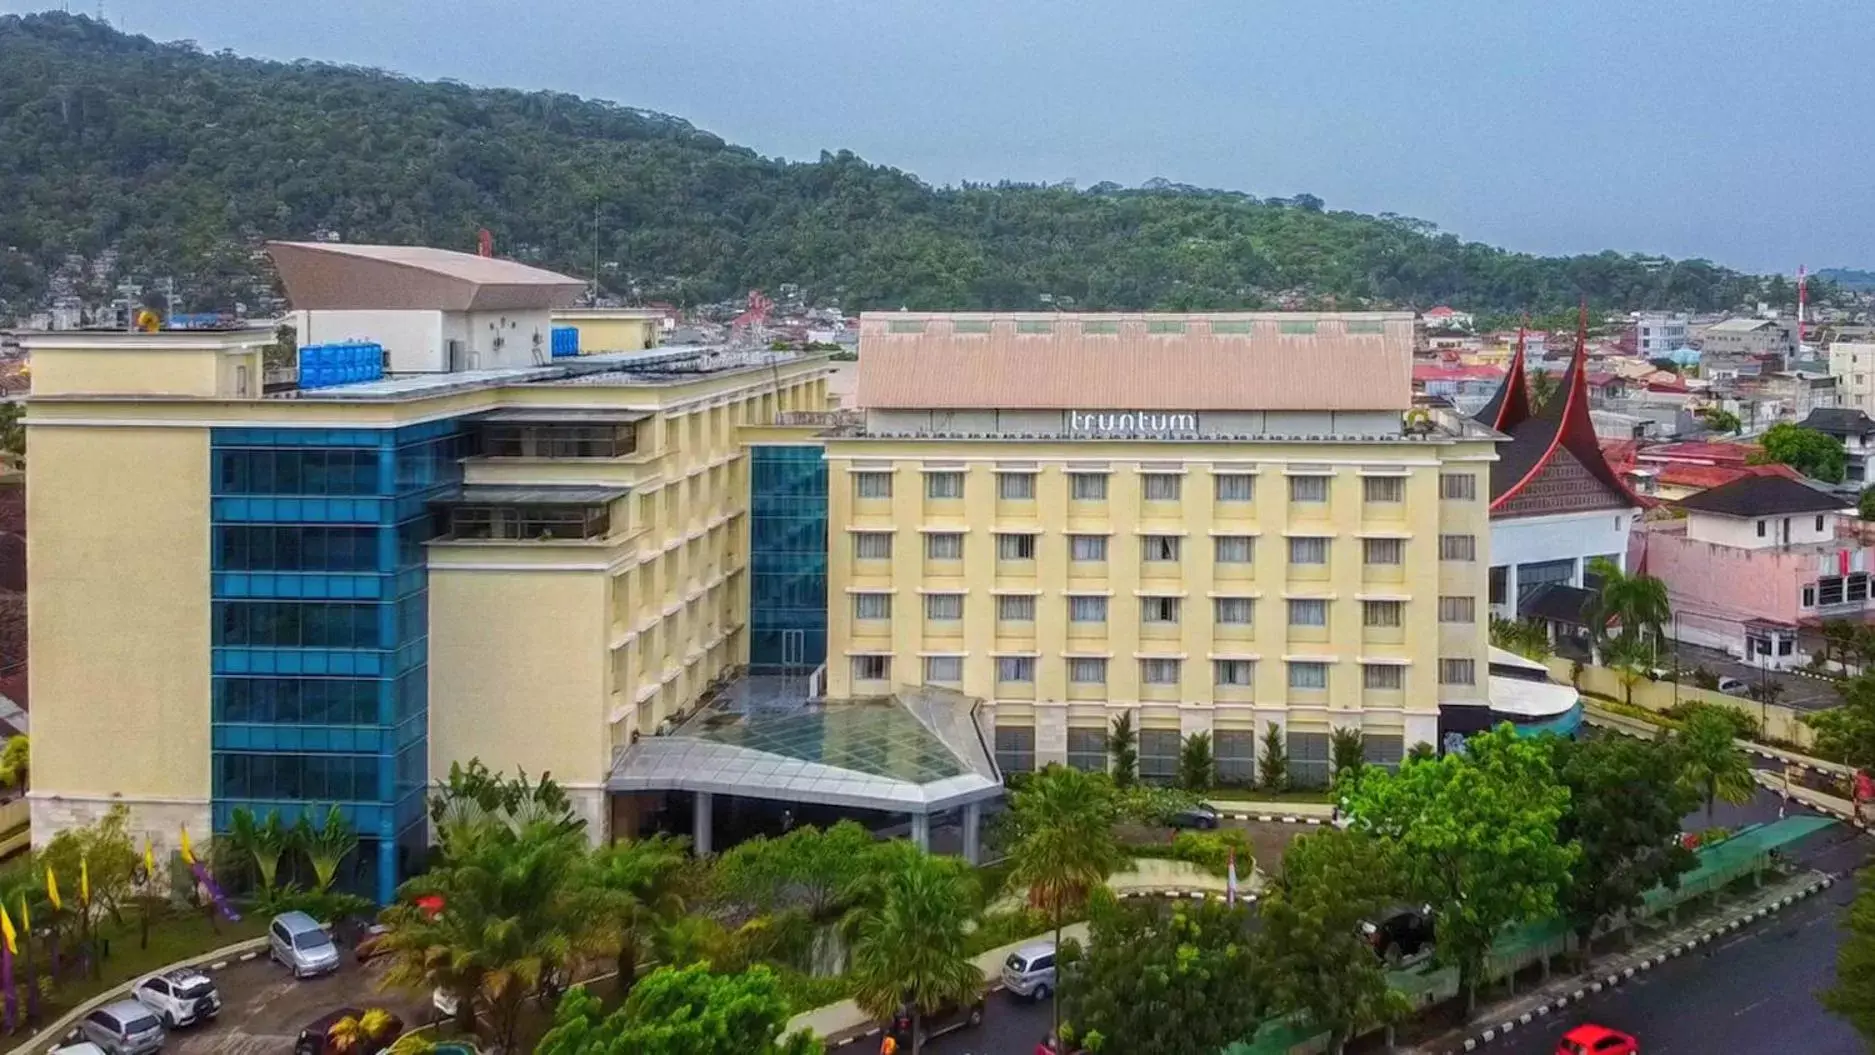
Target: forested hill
(183, 162)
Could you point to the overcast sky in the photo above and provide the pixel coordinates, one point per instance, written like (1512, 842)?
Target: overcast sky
(1739, 130)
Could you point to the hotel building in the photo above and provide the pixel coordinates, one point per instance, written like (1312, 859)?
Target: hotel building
(1217, 523)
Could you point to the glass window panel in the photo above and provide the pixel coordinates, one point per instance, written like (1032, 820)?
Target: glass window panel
(1087, 487)
(944, 546)
(1087, 547)
(1235, 487)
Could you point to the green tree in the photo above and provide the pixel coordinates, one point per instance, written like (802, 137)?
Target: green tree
(105, 850)
(1812, 453)
(688, 1011)
(1865, 504)
(1273, 763)
(1063, 846)
(1636, 603)
(1624, 812)
(16, 762)
(1348, 749)
(1711, 764)
(325, 846)
(1839, 635)
(1475, 836)
(1123, 751)
(1847, 733)
(13, 428)
(1630, 660)
(1543, 387)
(1719, 420)
(911, 947)
(1527, 637)
(1853, 995)
(1312, 958)
(633, 890)
(1161, 980)
(809, 868)
(1197, 769)
(265, 841)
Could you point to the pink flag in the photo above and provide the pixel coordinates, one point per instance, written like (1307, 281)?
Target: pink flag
(1230, 882)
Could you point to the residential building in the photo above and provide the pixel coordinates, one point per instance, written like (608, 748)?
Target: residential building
(1854, 429)
(1225, 523)
(1754, 561)
(1731, 339)
(1852, 364)
(327, 596)
(1555, 504)
(1444, 318)
(1656, 334)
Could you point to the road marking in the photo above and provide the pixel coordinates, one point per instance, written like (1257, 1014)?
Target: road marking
(1748, 1007)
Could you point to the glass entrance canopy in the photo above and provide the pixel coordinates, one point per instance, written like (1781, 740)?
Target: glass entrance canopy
(918, 751)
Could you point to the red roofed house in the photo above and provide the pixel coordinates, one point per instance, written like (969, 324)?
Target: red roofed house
(1556, 503)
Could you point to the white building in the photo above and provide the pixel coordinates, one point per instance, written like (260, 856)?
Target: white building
(1657, 333)
(1852, 364)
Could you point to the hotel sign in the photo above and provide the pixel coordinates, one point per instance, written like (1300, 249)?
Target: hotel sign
(1131, 424)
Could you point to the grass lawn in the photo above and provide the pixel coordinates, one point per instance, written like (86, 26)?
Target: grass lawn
(178, 937)
(1257, 795)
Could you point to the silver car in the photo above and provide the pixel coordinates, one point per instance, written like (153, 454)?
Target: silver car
(297, 940)
(123, 1028)
(1030, 971)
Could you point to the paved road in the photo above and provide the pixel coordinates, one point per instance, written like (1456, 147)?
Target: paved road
(1800, 692)
(1010, 1027)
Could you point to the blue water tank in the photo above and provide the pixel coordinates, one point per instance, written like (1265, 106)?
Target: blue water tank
(565, 342)
(350, 363)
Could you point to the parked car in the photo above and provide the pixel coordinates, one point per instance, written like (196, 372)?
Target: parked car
(316, 1038)
(1734, 686)
(1590, 1039)
(298, 941)
(1030, 971)
(1400, 934)
(946, 1019)
(182, 997)
(123, 1028)
(1202, 817)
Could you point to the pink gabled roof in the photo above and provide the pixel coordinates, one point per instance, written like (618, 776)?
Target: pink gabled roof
(1699, 451)
(1037, 361)
(1440, 311)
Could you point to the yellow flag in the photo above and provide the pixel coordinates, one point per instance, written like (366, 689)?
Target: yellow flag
(52, 889)
(7, 932)
(149, 859)
(26, 918)
(84, 881)
(188, 854)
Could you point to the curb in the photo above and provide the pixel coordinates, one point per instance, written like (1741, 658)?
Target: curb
(1646, 963)
(53, 1034)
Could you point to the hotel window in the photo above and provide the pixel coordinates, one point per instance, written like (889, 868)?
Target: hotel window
(1312, 611)
(1087, 748)
(1160, 487)
(1458, 547)
(1015, 487)
(1087, 670)
(1015, 668)
(1382, 613)
(1234, 611)
(1236, 754)
(1233, 549)
(1383, 488)
(1158, 609)
(944, 485)
(1386, 677)
(1458, 610)
(1232, 671)
(1158, 671)
(944, 545)
(944, 607)
(872, 668)
(1087, 487)
(1158, 755)
(1087, 548)
(872, 606)
(1087, 609)
(872, 545)
(1383, 550)
(1235, 487)
(872, 485)
(1155, 548)
(1307, 674)
(1458, 487)
(1308, 551)
(1015, 609)
(943, 668)
(1015, 748)
(1015, 547)
(1457, 672)
(1308, 488)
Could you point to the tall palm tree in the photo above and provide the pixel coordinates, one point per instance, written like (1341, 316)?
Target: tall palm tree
(632, 891)
(1638, 603)
(1063, 844)
(327, 845)
(910, 947)
(1710, 761)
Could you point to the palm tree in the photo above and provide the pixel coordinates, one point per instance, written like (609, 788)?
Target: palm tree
(1638, 603)
(910, 948)
(1063, 844)
(327, 845)
(1349, 750)
(1123, 751)
(632, 891)
(1542, 388)
(265, 841)
(16, 762)
(1710, 761)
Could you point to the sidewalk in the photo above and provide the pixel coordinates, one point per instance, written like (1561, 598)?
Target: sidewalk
(1840, 808)
(840, 1023)
(1274, 812)
(1606, 972)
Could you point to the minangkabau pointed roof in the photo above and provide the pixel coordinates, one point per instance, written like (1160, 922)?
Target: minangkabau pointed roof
(1560, 431)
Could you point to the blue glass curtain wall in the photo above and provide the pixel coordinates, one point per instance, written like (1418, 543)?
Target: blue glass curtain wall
(321, 628)
(787, 558)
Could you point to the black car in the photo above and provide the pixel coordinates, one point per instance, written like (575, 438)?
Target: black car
(1201, 817)
(1400, 934)
(946, 1019)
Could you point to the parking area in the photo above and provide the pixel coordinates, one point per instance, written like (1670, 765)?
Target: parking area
(263, 1008)
(1801, 692)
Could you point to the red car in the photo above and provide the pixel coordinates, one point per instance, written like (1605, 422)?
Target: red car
(1597, 1040)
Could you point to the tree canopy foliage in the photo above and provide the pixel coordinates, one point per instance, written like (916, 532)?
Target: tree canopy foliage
(681, 1012)
(183, 161)
(1808, 451)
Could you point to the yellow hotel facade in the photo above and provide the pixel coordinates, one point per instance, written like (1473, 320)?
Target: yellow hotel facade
(1213, 523)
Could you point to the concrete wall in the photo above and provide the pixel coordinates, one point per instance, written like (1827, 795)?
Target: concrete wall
(414, 339)
(508, 338)
(1717, 586)
(1779, 722)
(1743, 532)
(609, 333)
